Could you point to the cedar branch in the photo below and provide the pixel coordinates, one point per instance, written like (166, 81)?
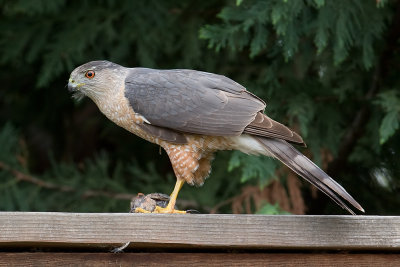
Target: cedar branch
(360, 120)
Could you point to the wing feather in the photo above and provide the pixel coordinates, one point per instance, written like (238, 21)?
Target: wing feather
(264, 126)
(189, 101)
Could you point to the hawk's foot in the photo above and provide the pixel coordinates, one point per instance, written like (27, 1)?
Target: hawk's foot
(167, 209)
(153, 203)
(159, 209)
(157, 203)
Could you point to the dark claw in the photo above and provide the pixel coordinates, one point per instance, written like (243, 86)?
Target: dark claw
(193, 211)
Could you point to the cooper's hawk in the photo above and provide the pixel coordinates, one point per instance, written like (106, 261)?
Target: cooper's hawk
(192, 114)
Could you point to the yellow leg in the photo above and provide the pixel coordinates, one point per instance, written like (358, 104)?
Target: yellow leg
(170, 208)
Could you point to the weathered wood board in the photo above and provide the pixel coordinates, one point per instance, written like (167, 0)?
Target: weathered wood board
(197, 259)
(103, 231)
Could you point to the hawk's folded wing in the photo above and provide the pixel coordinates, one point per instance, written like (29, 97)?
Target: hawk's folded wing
(198, 102)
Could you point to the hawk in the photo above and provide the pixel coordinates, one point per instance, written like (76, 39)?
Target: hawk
(191, 115)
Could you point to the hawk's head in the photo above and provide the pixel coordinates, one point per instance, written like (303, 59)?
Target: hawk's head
(95, 79)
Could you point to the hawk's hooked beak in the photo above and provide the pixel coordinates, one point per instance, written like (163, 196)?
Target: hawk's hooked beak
(72, 86)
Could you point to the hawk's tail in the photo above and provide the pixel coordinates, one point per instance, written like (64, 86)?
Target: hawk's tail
(304, 167)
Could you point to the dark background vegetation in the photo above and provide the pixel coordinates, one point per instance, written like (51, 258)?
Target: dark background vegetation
(328, 69)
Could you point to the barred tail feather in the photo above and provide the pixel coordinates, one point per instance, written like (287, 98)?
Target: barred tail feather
(304, 167)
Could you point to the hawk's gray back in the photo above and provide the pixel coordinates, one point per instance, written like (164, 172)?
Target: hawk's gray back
(191, 101)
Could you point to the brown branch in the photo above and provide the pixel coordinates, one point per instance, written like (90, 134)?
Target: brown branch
(221, 204)
(20, 176)
(253, 196)
(23, 177)
(356, 128)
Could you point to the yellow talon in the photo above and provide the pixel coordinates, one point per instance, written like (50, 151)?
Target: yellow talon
(140, 210)
(159, 209)
(170, 208)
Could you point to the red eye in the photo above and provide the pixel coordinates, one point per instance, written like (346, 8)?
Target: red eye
(89, 74)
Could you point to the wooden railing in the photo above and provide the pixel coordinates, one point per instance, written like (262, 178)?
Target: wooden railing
(38, 238)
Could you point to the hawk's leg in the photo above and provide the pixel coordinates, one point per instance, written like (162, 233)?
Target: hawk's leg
(185, 163)
(170, 208)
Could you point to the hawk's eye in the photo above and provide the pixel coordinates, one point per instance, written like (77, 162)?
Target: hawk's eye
(89, 74)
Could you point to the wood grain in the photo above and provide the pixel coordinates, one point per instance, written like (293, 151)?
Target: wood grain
(107, 230)
(197, 259)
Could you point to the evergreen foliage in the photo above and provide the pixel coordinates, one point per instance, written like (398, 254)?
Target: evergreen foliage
(328, 69)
